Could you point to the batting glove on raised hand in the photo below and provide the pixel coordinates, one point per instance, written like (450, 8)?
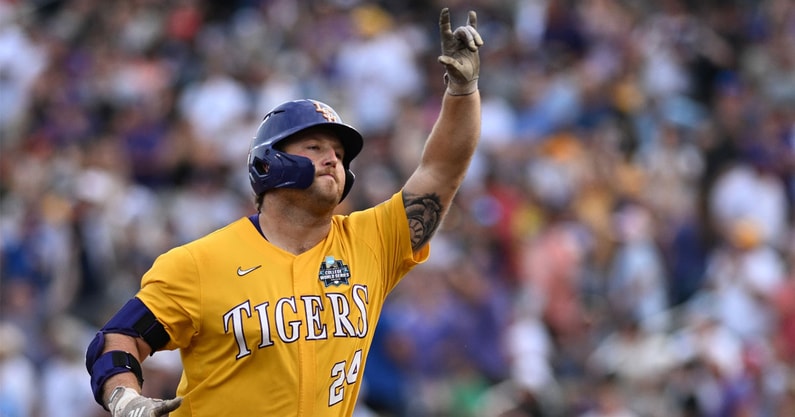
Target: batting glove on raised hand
(460, 54)
(125, 402)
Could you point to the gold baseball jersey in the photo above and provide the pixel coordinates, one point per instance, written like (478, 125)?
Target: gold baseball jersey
(263, 332)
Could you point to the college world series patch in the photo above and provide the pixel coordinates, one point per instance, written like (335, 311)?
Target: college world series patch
(334, 272)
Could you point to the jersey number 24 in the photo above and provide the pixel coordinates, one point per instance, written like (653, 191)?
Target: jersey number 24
(342, 376)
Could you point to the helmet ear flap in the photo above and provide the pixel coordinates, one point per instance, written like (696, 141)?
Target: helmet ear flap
(275, 169)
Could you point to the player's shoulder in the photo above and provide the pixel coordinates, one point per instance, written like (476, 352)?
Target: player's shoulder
(379, 221)
(232, 232)
(388, 207)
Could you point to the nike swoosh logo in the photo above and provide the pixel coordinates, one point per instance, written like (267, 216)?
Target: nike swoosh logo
(241, 272)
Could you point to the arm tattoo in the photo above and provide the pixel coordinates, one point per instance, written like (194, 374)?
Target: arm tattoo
(424, 213)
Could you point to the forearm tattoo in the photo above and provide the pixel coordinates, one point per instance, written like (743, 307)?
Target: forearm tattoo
(424, 213)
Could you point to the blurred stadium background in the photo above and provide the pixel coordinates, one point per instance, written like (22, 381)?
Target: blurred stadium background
(623, 244)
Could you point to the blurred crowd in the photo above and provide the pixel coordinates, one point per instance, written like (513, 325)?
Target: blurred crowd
(623, 245)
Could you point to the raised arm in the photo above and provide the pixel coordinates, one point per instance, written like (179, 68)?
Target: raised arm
(429, 191)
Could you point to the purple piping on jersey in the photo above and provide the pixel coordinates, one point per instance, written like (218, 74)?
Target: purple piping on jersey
(255, 221)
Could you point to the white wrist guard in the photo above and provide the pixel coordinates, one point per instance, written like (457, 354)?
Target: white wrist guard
(119, 398)
(126, 402)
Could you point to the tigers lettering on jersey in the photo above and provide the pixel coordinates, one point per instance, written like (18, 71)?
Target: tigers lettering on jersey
(320, 317)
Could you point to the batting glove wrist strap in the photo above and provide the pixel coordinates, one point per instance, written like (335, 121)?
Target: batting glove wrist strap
(119, 398)
(126, 402)
(455, 89)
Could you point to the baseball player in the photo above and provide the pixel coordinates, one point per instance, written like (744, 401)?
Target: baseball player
(274, 314)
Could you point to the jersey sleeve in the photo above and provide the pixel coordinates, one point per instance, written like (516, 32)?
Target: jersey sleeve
(389, 236)
(169, 289)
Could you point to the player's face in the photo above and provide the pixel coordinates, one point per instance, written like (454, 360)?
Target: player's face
(326, 152)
